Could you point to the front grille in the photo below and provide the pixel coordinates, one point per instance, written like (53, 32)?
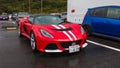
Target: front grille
(67, 44)
(51, 47)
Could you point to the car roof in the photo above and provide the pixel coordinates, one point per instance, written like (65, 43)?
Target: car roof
(106, 7)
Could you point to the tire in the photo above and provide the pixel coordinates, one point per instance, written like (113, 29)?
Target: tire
(33, 42)
(88, 30)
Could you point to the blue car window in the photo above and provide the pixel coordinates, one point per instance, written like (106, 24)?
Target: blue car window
(99, 12)
(113, 13)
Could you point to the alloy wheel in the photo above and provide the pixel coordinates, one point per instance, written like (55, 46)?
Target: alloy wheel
(32, 41)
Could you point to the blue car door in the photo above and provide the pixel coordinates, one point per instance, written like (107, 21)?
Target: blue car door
(100, 25)
(98, 20)
(113, 20)
(114, 27)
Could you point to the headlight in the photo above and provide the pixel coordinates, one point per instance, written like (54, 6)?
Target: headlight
(46, 34)
(82, 30)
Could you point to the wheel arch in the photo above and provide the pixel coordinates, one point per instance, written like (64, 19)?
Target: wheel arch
(87, 28)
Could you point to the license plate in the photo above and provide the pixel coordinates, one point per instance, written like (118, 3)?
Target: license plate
(74, 48)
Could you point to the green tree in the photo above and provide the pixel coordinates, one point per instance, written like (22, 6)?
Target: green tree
(49, 6)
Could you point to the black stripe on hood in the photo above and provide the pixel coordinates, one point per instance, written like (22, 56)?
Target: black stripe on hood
(66, 29)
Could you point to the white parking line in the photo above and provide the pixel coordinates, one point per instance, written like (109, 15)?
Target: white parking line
(106, 46)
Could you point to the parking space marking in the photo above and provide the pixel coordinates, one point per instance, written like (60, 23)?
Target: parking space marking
(106, 46)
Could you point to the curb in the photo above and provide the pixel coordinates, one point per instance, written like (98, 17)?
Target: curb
(11, 28)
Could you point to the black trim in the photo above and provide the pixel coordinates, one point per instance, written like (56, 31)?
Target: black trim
(66, 29)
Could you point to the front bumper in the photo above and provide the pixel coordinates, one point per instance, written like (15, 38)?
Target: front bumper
(61, 49)
(59, 45)
(66, 49)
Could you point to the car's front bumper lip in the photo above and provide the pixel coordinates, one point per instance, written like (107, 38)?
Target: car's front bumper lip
(59, 51)
(53, 51)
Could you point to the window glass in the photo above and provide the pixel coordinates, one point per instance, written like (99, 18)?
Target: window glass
(31, 19)
(99, 12)
(113, 13)
(47, 20)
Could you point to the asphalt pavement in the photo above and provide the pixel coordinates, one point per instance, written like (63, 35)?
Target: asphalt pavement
(16, 52)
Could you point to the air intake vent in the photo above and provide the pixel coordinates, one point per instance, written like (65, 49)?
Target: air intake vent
(67, 44)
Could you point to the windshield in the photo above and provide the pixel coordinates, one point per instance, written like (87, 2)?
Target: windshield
(48, 20)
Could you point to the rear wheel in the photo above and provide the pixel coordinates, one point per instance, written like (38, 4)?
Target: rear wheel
(33, 42)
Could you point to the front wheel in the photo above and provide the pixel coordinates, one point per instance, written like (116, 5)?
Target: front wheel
(33, 42)
(88, 30)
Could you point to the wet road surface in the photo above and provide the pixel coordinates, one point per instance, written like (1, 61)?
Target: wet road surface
(16, 52)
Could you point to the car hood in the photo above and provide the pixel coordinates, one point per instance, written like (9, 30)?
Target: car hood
(63, 31)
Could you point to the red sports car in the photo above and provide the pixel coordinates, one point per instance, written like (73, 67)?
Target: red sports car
(48, 33)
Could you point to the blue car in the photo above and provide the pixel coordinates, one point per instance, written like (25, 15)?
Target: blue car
(103, 20)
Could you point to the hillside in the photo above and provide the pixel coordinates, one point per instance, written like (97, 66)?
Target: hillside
(33, 6)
